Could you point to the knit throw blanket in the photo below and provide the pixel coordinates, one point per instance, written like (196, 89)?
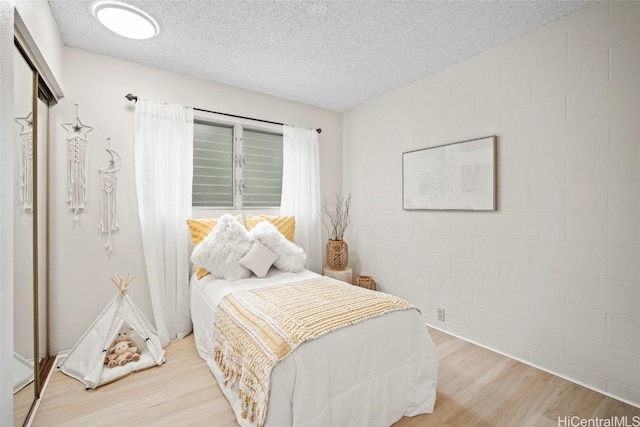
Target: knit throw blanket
(256, 329)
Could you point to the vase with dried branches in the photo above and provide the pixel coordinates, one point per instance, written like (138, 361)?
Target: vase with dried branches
(338, 219)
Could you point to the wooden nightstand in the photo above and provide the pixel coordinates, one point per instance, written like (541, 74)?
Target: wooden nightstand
(345, 275)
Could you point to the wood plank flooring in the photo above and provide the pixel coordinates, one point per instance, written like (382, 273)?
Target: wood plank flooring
(22, 402)
(476, 388)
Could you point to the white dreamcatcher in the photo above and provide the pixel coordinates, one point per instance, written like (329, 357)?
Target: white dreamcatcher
(26, 161)
(108, 197)
(76, 164)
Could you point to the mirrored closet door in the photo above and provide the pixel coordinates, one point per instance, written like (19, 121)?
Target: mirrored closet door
(31, 360)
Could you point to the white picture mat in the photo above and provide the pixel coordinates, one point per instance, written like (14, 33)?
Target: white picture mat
(458, 176)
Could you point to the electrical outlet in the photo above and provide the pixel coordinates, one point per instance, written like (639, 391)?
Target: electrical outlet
(441, 314)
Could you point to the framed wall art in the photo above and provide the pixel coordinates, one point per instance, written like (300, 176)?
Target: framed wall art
(457, 176)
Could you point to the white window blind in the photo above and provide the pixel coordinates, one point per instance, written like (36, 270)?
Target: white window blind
(236, 167)
(262, 169)
(212, 165)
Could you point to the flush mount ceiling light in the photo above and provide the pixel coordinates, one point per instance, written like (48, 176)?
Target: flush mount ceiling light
(126, 20)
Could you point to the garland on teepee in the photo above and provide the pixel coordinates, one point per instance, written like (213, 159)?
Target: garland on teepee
(26, 161)
(108, 197)
(76, 164)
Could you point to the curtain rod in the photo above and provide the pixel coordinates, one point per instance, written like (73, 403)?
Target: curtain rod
(135, 99)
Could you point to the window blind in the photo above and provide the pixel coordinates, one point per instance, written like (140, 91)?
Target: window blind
(262, 169)
(212, 165)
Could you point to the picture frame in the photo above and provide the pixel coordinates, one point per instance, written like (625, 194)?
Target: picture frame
(455, 176)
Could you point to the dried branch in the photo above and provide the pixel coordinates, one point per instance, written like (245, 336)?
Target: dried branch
(338, 217)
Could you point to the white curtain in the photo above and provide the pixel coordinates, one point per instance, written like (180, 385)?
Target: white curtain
(301, 190)
(164, 171)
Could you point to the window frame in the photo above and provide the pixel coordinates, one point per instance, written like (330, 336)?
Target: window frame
(239, 125)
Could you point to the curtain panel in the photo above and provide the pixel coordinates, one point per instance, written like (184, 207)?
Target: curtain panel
(164, 171)
(301, 190)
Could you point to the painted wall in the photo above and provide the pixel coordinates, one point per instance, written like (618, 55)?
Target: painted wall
(552, 277)
(6, 212)
(81, 268)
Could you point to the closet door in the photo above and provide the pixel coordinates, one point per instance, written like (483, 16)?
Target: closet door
(24, 166)
(41, 301)
(32, 360)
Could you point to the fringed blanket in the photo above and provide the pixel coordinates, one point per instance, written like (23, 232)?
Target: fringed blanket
(256, 329)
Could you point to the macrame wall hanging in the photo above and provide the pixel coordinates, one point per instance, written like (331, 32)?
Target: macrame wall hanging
(109, 196)
(26, 161)
(76, 164)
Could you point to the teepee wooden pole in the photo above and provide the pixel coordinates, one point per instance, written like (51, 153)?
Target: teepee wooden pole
(121, 283)
(116, 280)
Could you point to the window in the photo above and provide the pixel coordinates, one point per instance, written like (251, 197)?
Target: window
(213, 183)
(235, 166)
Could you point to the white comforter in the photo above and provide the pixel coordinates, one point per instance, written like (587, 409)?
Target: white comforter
(368, 374)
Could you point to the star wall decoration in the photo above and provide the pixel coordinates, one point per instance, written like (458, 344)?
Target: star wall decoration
(25, 122)
(77, 129)
(26, 161)
(77, 156)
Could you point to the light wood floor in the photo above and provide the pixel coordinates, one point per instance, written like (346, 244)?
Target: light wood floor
(22, 401)
(476, 388)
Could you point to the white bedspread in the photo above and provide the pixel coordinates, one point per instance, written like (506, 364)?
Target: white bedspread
(368, 374)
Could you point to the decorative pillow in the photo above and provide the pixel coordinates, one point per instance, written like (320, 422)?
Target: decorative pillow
(291, 257)
(221, 250)
(200, 228)
(285, 224)
(259, 259)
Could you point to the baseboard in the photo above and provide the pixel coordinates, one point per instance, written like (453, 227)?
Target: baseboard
(533, 365)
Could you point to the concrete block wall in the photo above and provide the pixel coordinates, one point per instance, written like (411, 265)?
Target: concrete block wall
(552, 277)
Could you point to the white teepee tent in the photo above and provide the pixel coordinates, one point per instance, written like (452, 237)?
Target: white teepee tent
(85, 361)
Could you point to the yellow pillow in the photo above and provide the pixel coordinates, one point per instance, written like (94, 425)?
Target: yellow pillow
(285, 224)
(200, 228)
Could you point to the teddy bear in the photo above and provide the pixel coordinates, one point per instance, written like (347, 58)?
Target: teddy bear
(122, 349)
(121, 353)
(124, 335)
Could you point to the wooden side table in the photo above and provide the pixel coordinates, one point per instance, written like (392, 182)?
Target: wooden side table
(345, 275)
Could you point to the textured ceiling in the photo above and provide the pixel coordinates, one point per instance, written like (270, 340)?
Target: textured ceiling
(332, 54)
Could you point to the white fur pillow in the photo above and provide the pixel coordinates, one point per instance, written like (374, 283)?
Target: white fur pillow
(221, 250)
(291, 257)
(259, 259)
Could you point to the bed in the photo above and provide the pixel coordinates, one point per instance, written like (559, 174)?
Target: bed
(370, 373)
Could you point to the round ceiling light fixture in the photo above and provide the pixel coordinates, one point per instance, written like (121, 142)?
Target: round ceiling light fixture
(126, 20)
